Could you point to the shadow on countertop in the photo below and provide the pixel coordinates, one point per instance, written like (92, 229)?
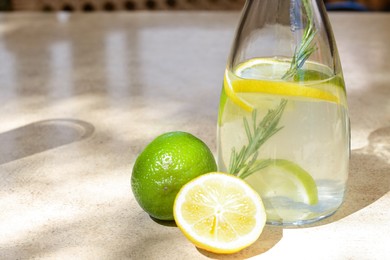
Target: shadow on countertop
(270, 236)
(369, 175)
(369, 180)
(41, 136)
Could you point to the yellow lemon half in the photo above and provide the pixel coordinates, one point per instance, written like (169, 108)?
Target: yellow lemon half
(219, 212)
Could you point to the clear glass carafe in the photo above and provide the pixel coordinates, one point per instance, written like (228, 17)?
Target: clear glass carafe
(283, 122)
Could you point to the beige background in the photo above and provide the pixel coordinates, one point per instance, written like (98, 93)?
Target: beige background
(81, 95)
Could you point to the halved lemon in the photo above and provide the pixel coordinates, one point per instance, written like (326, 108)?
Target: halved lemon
(219, 212)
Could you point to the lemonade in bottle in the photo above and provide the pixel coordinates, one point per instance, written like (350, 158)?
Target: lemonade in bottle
(283, 124)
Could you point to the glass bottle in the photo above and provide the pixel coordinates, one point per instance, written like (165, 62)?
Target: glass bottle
(283, 121)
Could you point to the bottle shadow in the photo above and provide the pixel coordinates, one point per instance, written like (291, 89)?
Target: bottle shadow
(41, 136)
(369, 176)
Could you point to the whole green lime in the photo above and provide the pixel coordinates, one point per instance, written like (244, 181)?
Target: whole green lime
(164, 166)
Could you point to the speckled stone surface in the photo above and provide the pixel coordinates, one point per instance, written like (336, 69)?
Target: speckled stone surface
(82, 94)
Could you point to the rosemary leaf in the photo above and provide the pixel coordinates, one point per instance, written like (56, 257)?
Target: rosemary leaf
(306, 47)
(233, 159)
(258, 165)
(245, 162)
(247, 130)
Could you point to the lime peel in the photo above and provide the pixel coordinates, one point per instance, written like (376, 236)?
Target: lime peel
(287, 178)
(164, 166)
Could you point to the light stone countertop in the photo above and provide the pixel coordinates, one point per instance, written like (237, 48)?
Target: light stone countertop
(82, 94)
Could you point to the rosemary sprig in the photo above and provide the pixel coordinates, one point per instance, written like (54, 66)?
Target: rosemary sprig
(306, 47)
(244, 162)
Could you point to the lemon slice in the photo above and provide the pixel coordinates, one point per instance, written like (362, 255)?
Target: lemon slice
(283, 178)
(264, 76)
(281, 88)
(219, 212)
(230, 93)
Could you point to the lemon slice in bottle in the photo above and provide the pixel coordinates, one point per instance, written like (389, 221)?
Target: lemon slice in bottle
(268, 74)
(219, 212)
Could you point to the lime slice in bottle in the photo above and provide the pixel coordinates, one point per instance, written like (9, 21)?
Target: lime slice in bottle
(283, 178)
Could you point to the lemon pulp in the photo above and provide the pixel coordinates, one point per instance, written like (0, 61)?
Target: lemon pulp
(219, 213)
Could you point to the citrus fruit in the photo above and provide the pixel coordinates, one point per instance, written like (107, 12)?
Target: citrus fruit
(283, 178)
(249, 80)
(164, 166)
(219, 212)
